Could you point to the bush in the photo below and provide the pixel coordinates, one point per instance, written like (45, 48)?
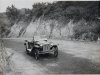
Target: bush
(86, 30)
(12, 13)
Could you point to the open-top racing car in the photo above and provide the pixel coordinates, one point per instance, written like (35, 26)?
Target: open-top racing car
(37, 47)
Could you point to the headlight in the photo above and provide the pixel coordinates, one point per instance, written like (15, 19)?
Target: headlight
(52, 44)
(40, 44)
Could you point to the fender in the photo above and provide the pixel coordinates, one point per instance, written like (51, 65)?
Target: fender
(54, 46)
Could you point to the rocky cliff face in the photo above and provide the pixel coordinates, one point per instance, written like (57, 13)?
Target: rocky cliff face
(49, 28)
(17, 29)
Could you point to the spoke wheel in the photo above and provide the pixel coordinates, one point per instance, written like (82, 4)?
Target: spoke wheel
(56, 52)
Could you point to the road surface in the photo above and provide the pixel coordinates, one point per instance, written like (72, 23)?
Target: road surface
(74, 57)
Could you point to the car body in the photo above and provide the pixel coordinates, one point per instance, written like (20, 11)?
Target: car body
(37, 47)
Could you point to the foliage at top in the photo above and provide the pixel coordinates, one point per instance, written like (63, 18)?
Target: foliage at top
(67, 10)
(63, 11)
(60, 10)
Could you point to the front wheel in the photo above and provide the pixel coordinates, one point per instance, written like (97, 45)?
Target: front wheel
(36, 54)
(27, 51)
(56, 52)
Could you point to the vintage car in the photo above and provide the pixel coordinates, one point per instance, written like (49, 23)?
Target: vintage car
(37, 47)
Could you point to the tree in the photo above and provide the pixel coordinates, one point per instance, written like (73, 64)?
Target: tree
(12, 13)
(51, 29)
(38, 9)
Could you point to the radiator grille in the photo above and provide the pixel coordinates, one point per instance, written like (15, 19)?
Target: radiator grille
(46, 47)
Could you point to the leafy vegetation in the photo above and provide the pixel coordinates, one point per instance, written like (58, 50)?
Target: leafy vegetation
(4, 25)
(12, 14)
(85, 15)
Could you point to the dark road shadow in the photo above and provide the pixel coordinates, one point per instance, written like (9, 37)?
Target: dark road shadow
(68, 64)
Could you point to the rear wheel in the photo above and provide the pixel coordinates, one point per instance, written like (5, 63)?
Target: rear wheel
(36, 54)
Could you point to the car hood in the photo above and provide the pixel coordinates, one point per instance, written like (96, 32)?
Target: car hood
(43, 42)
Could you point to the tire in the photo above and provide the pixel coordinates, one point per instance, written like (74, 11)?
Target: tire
(36, 54)
(27, 51)
(56, 52)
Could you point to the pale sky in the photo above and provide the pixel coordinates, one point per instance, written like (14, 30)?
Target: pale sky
(23, 3)
(19, 3)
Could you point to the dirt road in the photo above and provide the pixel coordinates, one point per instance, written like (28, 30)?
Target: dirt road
(74, 58)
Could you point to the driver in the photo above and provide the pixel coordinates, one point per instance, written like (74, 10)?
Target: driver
(33, 41)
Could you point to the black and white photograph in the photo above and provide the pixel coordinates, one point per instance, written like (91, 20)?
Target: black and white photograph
(42, 37)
